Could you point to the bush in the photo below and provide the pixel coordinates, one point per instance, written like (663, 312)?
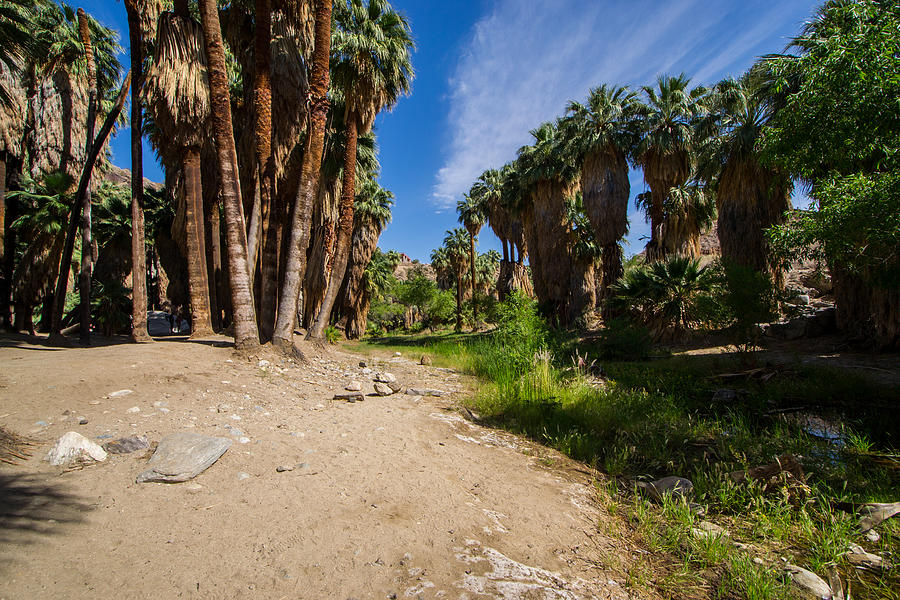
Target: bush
(111, 307)
(332, 334)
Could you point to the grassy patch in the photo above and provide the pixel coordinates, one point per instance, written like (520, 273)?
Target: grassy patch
(655, 417)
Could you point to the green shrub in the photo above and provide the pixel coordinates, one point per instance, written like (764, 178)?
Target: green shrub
(332, 334)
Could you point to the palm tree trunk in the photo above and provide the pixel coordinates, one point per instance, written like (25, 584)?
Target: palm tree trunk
(611, 268)
(266, 169)
(358, 315)
(84, 276)
(459, 323)
(5, 256)
(472, 273)
(246, 334)
(59, 297)
(309, 180)
(345, 231)
(213, 258)
(138, 249)
(198, 282)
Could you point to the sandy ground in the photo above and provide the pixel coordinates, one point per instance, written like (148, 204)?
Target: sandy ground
(397, 496)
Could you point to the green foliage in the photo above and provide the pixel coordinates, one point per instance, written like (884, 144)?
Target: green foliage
(111, 307)
(666, 296)
(750, 298)
(332, 334)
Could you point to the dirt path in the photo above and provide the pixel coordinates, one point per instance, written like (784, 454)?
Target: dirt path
(392, 497)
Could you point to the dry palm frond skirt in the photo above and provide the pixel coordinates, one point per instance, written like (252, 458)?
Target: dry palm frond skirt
(13, 447)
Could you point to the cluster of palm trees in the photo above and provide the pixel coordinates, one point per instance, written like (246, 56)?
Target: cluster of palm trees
(458, 267)
(261, 113)
(564, 200)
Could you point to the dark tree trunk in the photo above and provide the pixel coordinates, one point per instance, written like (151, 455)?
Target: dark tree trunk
(345, 232)
(6, 252)
(295, 269)
(213, 259)
(611, 267)
(459, 322)
(84, 276)
(195, 244)
(138, 247)
(246, 334)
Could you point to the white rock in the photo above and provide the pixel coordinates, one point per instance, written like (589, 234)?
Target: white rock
(120, 393)
(263, 364)
(353, 386)
(72, 446)
(133, 409)
(809, 582)
(244, 440)
(235, 417)
(385, 377)
(382, 389)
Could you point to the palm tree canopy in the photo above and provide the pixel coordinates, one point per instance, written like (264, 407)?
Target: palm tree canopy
(471, 210)
(546, 159)
(607, 122)
(373, 205)
(371, 57)
(668, 117)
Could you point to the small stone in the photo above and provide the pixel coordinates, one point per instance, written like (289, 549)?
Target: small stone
(160, 403)
(242, 476)
(353, 397)
(382, 389)
(366, 371)
(802, 299)
(705, 529)
(127, 445)
(677, 487)
(163, 410)
(353, 386)
(235, 417)
(73, 446)
(82, 421)
(243, 440)
(262, 364)
(283, 468)
(194, 488)
(425, 360)
(363, 364)
(873, 536)
(120, 393)
(385, 377)
(397, 354)
(94, 402)
(42, 423)
(425, 392)
(133, 409)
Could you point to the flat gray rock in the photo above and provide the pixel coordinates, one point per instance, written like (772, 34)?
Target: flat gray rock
(425, 392)
(183, 456)
(385, 377)
(126, 445)
(809, 583)
(873, 514)
(677, 487)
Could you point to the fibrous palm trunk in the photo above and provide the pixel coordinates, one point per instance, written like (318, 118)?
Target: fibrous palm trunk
(138, 250)
(4, 257)
(662, 173)
(84, 276)
(582, 292)
(262, 104)
(246, 334)
(547, 235)
(195, 244)
(472, 275)
(309, 180)
(358, 315)
(605, 189)
(345, 232)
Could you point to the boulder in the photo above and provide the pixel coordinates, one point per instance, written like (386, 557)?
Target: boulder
(353, 386)
(677, 487)
(183, 456)
(861, 559)
(384, 377)
(127, 445)
(73, 446)
(383, 389)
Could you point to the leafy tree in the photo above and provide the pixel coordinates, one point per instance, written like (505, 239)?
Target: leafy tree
(837, 127)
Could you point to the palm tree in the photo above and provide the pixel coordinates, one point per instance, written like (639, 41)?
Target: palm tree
(138, 14)
(548, 176)
(451, 260)
(301, 215)
(585, 256)
(603, 134)
(372, 213)
(246, 333)
(666, 148)
(471, 215)
(750, 197)
(372, 66)
(376, 281)
(42, 227)
(176, 92)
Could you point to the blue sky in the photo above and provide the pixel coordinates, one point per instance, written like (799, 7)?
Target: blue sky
(488, 71)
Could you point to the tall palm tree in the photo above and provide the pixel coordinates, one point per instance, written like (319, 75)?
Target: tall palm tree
(301, 215)
(376, 281)
(603, 134)
(246, 333)
(666, 149)
(750, 197)
(585, 255)
(471, 214)
(454, 258)
(373, 68)
(548, 176)
(141, 16)
(176, 93)
(372, 213)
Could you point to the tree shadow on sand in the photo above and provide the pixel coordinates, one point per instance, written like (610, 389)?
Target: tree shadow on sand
(33, 507)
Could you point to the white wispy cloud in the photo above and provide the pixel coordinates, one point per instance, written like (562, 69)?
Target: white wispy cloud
(526, 59)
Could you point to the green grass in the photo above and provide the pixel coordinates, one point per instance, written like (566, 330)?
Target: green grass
(650, 418)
